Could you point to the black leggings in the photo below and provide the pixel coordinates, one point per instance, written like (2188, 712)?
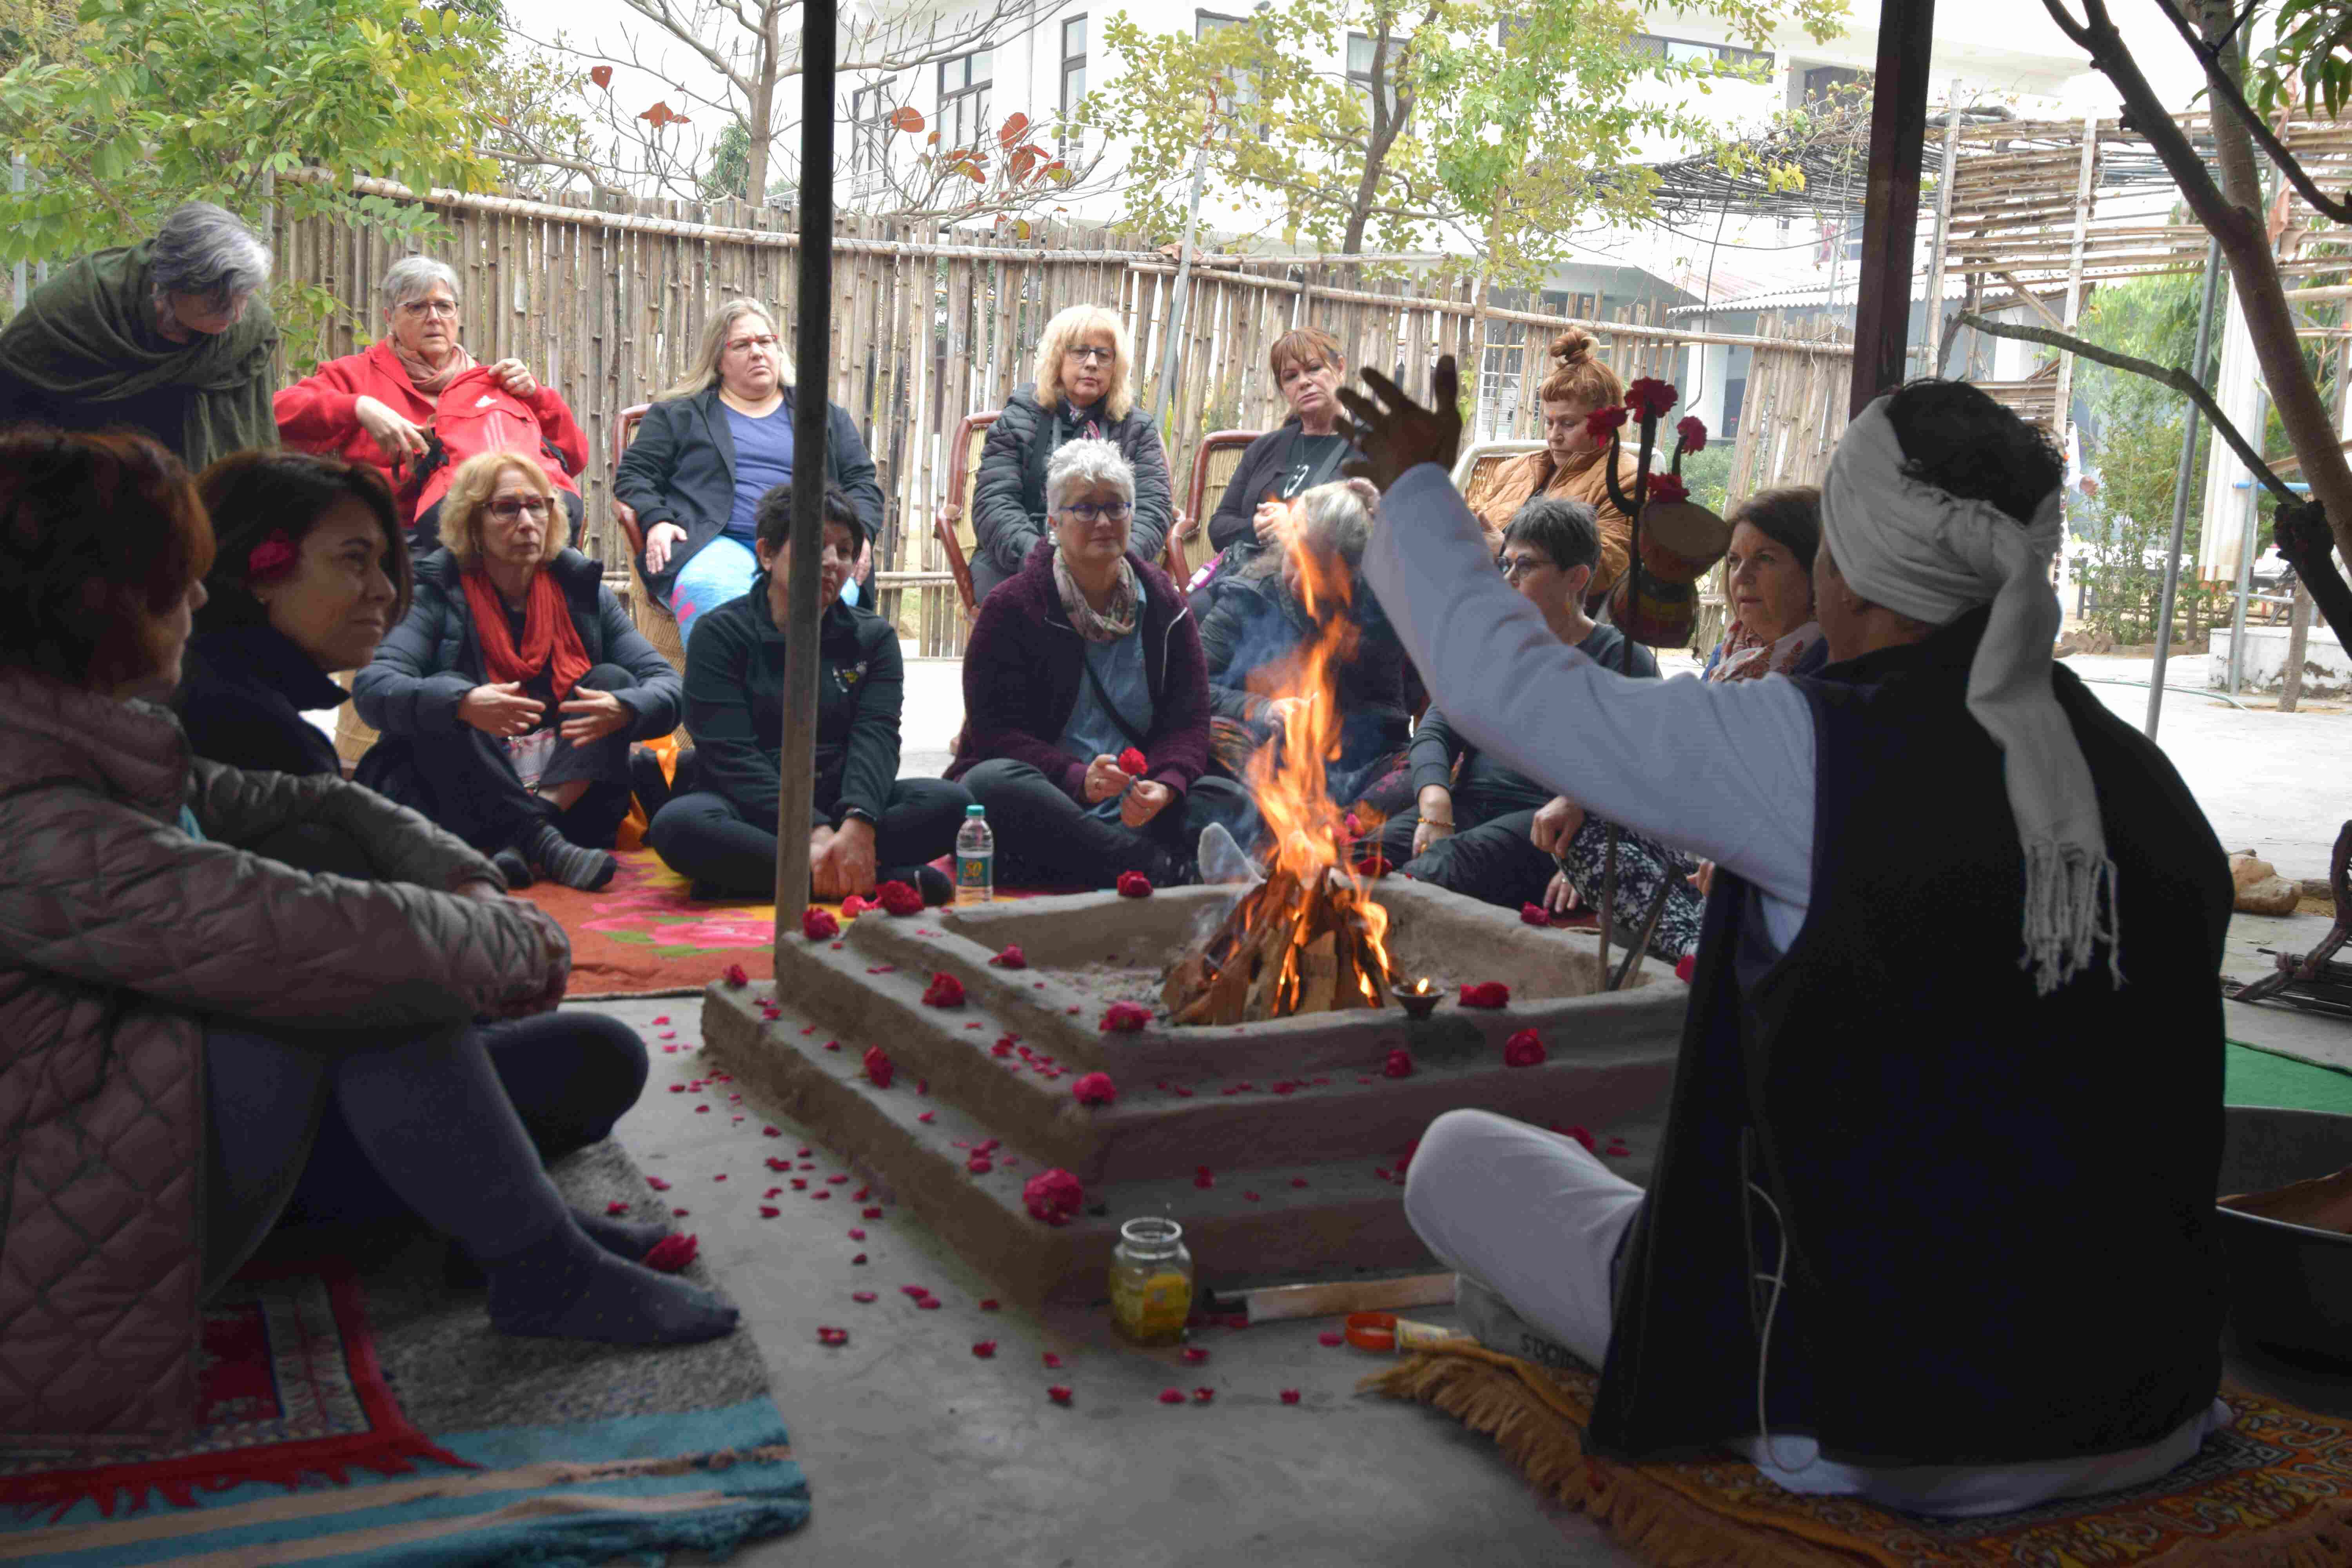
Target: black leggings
(705, 837)
(357, 1126)
(1043, 838)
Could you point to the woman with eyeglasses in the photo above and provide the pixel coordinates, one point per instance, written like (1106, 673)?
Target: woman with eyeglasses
(509, 694)
(375, 406)
(1089, 654)
(872, 825)
(1082, 392)
(709, 447)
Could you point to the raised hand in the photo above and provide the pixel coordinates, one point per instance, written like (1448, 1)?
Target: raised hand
(1397, 434)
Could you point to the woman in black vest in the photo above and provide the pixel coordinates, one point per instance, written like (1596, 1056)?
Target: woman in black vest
(1932, 1220)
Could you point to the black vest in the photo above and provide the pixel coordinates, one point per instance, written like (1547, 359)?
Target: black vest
(1999, 1208)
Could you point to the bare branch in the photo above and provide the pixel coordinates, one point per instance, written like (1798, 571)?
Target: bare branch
(2180, 381)
(2225, 88)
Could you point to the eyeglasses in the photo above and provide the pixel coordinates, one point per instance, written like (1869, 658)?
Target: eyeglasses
(511, 506)
(765, 340)
(416, 309)
(1092, 356)
(1091, 511)
(1514, 567)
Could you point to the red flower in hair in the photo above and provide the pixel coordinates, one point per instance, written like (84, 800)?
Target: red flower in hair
(1134, 885)
(1668, 488)
(1125, 1018)
(1692, 431)
(271, 557)
(899, 899)
(1601, 423)
(878, 1067)
(1131, 762)
(1489, 993)
(1650, 397)
(1524, 1049)
(818, 925)
(1052, 1196)
(944, 990)
(1094, 1088)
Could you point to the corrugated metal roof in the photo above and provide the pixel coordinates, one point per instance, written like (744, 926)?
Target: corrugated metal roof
(1815, 295)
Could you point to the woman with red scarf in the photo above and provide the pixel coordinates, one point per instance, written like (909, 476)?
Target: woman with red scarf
(509, 693)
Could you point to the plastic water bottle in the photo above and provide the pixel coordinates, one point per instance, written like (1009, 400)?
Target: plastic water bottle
(975, 858)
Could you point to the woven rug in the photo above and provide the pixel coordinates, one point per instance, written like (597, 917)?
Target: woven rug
(375, 1418)
(2257, 1075)
(2273, 1490)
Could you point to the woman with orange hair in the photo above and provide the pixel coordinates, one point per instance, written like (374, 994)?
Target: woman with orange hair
(1570, 466)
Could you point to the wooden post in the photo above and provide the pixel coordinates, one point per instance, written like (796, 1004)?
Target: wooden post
(813, 355)
(1898, 137)
(2062, 416)
(1934, 335)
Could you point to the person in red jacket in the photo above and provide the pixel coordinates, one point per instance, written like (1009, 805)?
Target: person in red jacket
(368, 407)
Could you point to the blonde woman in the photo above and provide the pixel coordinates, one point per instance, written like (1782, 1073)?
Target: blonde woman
(509, 694)
(710, 447)
(1085, 389)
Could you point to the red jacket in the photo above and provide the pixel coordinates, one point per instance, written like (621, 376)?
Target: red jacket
(317, 413)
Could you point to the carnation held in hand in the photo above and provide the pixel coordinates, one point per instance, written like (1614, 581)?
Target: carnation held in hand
(1524, 1049)
(818, 924)
(899, 899)
(1131, 762)
(1134, 885)
(1052, 1196)
(1094, 1088)
(1486, 994)
(944, 990)
(878, 1067)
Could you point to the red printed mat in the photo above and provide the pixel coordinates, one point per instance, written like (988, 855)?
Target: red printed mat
(289, 1390)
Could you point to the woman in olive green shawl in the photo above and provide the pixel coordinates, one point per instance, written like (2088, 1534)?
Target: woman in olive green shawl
(170, 336)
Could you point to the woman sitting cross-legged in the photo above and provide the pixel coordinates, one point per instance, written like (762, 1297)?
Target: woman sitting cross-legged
(311, 569)
(188, 1008)
(1493, 833)
(509, 695)
(877, 827)
(1088, 653)
(1260, 624)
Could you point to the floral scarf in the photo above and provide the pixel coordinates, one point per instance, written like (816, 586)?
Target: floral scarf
(424, 378)
(1114, 621)
(1744, 655)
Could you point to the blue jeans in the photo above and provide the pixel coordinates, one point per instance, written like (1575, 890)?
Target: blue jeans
(720, 571)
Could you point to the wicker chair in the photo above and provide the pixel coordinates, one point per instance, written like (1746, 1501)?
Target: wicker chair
(953, 523)
(653, 617)
(1213, 463)
(1481, 458)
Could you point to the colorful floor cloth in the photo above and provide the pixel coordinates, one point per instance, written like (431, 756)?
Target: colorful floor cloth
(2273, 1490)
(418, 1436)
(2254, 1076)
(642, 936)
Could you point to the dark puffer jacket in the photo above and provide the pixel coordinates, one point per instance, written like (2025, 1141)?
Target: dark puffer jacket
(1008, 502)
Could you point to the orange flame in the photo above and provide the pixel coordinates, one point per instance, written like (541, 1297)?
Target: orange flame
(1290, 781)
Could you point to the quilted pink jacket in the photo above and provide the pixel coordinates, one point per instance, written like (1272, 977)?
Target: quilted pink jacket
(120, 935)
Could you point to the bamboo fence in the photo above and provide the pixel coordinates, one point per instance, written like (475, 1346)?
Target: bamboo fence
(606, 304)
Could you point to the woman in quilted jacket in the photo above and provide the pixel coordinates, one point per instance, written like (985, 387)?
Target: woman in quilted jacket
(176, 1012)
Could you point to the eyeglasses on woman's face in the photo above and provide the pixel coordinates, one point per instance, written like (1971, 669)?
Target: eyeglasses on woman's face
(417, 309)
(1091, 354)
(1517, 565)
(508, 508)
(1096, 512)
(745, 345)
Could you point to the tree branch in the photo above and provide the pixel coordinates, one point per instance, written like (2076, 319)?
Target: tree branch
(2227, 89)
(2180, 381)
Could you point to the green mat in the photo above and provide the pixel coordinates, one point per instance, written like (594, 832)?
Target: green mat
(2252, 1076)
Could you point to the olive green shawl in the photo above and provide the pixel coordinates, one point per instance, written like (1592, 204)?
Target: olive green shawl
(88, 335)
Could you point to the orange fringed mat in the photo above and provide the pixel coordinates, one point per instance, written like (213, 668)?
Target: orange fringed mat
(2273, 1490)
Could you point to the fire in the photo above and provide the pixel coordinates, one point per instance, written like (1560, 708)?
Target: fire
(1309, 937)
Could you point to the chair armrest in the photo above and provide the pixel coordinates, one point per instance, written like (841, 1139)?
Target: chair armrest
(626, 516)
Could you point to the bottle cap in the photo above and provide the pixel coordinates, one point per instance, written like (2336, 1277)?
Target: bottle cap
(975, 809)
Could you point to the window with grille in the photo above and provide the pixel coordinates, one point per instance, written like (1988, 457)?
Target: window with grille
(964, 82)
(869, 128)
(1246, 93)
(1361, 53)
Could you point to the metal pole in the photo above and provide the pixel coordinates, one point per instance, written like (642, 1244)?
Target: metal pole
(2245, 565)
(2180, 478)
(1182, 290)
(812, 377)
(1943, 231)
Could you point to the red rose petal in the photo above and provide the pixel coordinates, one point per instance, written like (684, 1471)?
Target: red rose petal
(771, 1133)
(1328, 1338)
(878, 1067)
(928, 1304)
(1297, 1181)
(820, 1196)
(1249, 1197)
(800, 1183)
(1489, 993)
(719, 1177)
(657, 1183)
(916, 1292)
(767, 1212)
(662, 1019)
(869, 1214)
(1172, 1397)
(980, 1166)
(856, 1235)
(832, 1336)
(671, 1253)
(1194, 1355)
(836, 1180)
(1011, 957)
(677, 1089)
(680, 1213)
(775, 1164)
(984, 1349)
(1290, 1397)
(1398, 1065)
(771, 1191)
(617, 1205)
(1058, 1393)
(1202, 1395)
(859, 1258)
(862, 1296)
(1052, 1361)
(927, 1115)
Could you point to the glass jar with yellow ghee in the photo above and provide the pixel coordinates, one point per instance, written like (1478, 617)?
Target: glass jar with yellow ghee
(1151, 1281)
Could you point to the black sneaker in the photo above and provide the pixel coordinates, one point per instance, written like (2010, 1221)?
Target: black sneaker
(648, 781)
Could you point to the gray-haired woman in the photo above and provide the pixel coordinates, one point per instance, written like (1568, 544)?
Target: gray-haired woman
(369, 407)
(1081, 662)
(169, 336)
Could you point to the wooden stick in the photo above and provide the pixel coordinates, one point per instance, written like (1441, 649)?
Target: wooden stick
(1277, 1302)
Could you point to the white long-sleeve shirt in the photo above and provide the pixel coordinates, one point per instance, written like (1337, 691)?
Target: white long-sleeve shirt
(1724, 770)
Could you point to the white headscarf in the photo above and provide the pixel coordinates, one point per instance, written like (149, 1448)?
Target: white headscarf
(1932, 556)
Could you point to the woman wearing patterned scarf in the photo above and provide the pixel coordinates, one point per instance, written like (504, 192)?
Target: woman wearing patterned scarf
(1086, 700)
(1775, 535)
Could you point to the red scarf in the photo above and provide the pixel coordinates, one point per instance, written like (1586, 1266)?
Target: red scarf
(547, 633)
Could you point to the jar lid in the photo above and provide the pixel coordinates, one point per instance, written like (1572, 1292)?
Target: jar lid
(1152, 1230)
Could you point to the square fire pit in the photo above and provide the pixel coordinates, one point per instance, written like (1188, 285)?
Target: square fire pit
(1292, 1123)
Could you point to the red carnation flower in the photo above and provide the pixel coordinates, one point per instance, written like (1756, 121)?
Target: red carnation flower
(825, 1336)
(1650, 398)
(1668, 489)
(853, 906)
(1052, 1196)
(984, 1349)
(818, 925)
(272, 556)
(899, 899)
(733, 974)
(944, 990)
(878, 1067)
(1523, 1049)
(1692, 432)
(1330, 1338)
(1011, 957)
(1602, 423)
(1202, 1395)
(1399, 1065)
(618, 1205)
(1134, 885)
(1052, 1361)
(1194, 1355)
(671, 1254)
(1131, 762)
(1290, 1397)
(1533, 915)
(980, 1164)
(1172, 1397)
(1094, 1088)
(1125, 1018)
(1488, 994)
(1003, 1047)
(1059, 1393)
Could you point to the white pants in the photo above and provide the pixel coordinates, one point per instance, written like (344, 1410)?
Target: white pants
(1531, 1213)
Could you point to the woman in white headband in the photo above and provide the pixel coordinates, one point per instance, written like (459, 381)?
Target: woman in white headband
(1932, 1219)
